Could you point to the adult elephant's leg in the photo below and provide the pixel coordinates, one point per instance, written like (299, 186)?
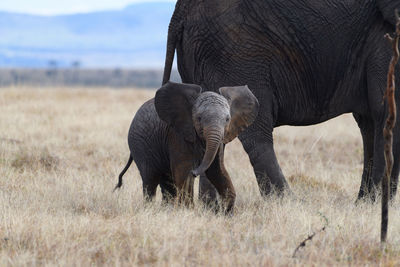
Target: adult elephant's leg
(259, 146)
(376, 81)
(374, 161)
(366, 125)
(207, 192)
(379, 162)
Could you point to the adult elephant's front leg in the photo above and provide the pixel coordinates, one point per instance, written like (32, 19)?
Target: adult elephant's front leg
(259, 147)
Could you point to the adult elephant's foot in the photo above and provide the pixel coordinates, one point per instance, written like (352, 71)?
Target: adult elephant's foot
(370, 191)
(367, 191)
(366, 195)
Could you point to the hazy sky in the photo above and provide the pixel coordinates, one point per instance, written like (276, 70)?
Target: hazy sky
(52, 7)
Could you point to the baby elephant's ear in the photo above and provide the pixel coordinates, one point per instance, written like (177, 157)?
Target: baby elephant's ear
(174, 102)
(244, 109)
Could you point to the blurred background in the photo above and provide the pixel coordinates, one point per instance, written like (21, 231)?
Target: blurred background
(118, 43)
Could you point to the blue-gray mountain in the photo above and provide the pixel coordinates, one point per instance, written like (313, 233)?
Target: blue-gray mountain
(131, 37)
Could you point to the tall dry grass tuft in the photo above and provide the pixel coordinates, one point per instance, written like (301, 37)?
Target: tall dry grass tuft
(60, 154)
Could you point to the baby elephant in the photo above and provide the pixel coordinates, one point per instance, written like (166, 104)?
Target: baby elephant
(183, 128)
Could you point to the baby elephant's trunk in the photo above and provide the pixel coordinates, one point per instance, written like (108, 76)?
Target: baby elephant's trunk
(213, 136)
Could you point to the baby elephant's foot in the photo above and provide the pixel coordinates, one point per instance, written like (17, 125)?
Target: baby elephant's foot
(229, 212)
(229, 203)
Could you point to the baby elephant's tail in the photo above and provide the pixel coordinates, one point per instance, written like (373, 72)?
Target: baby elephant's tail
(128, 164)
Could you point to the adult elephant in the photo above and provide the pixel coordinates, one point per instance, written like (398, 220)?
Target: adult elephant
(306, 61)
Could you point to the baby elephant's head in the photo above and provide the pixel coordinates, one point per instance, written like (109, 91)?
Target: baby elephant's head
(215, 118)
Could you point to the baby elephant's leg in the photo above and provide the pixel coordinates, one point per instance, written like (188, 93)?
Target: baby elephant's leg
(150, 179)
(168, 189)
(184, 182)
(149, 189)
(207, 193)
(219, 177)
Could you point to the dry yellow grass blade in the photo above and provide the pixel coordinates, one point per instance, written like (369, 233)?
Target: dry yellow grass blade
(60, 154)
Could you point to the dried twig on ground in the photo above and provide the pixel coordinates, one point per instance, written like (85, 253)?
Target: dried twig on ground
(387, 131)
(311, 236)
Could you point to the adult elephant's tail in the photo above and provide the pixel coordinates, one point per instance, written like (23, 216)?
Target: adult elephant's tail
(174, 31)
(128, 164)
(169, 58)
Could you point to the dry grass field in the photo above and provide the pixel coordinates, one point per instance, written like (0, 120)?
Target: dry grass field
(62, 149)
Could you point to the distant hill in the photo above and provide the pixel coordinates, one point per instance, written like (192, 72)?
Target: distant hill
(133, 37)
(70, 77)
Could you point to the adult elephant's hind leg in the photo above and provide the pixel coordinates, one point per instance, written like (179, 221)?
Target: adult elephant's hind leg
(376, 86)
(366, 125)
(259, 147)
(378, 167)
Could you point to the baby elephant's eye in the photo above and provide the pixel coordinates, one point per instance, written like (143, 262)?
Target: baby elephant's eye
(227, 119)
(199, 119)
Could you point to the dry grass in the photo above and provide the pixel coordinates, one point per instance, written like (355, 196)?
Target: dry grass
(60, 154)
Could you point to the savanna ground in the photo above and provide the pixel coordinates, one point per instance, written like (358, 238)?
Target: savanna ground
(61, 151)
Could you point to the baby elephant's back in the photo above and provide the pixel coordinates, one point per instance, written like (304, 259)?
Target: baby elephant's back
(147, 136)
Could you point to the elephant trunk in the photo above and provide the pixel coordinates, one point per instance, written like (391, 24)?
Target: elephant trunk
(213, 136)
